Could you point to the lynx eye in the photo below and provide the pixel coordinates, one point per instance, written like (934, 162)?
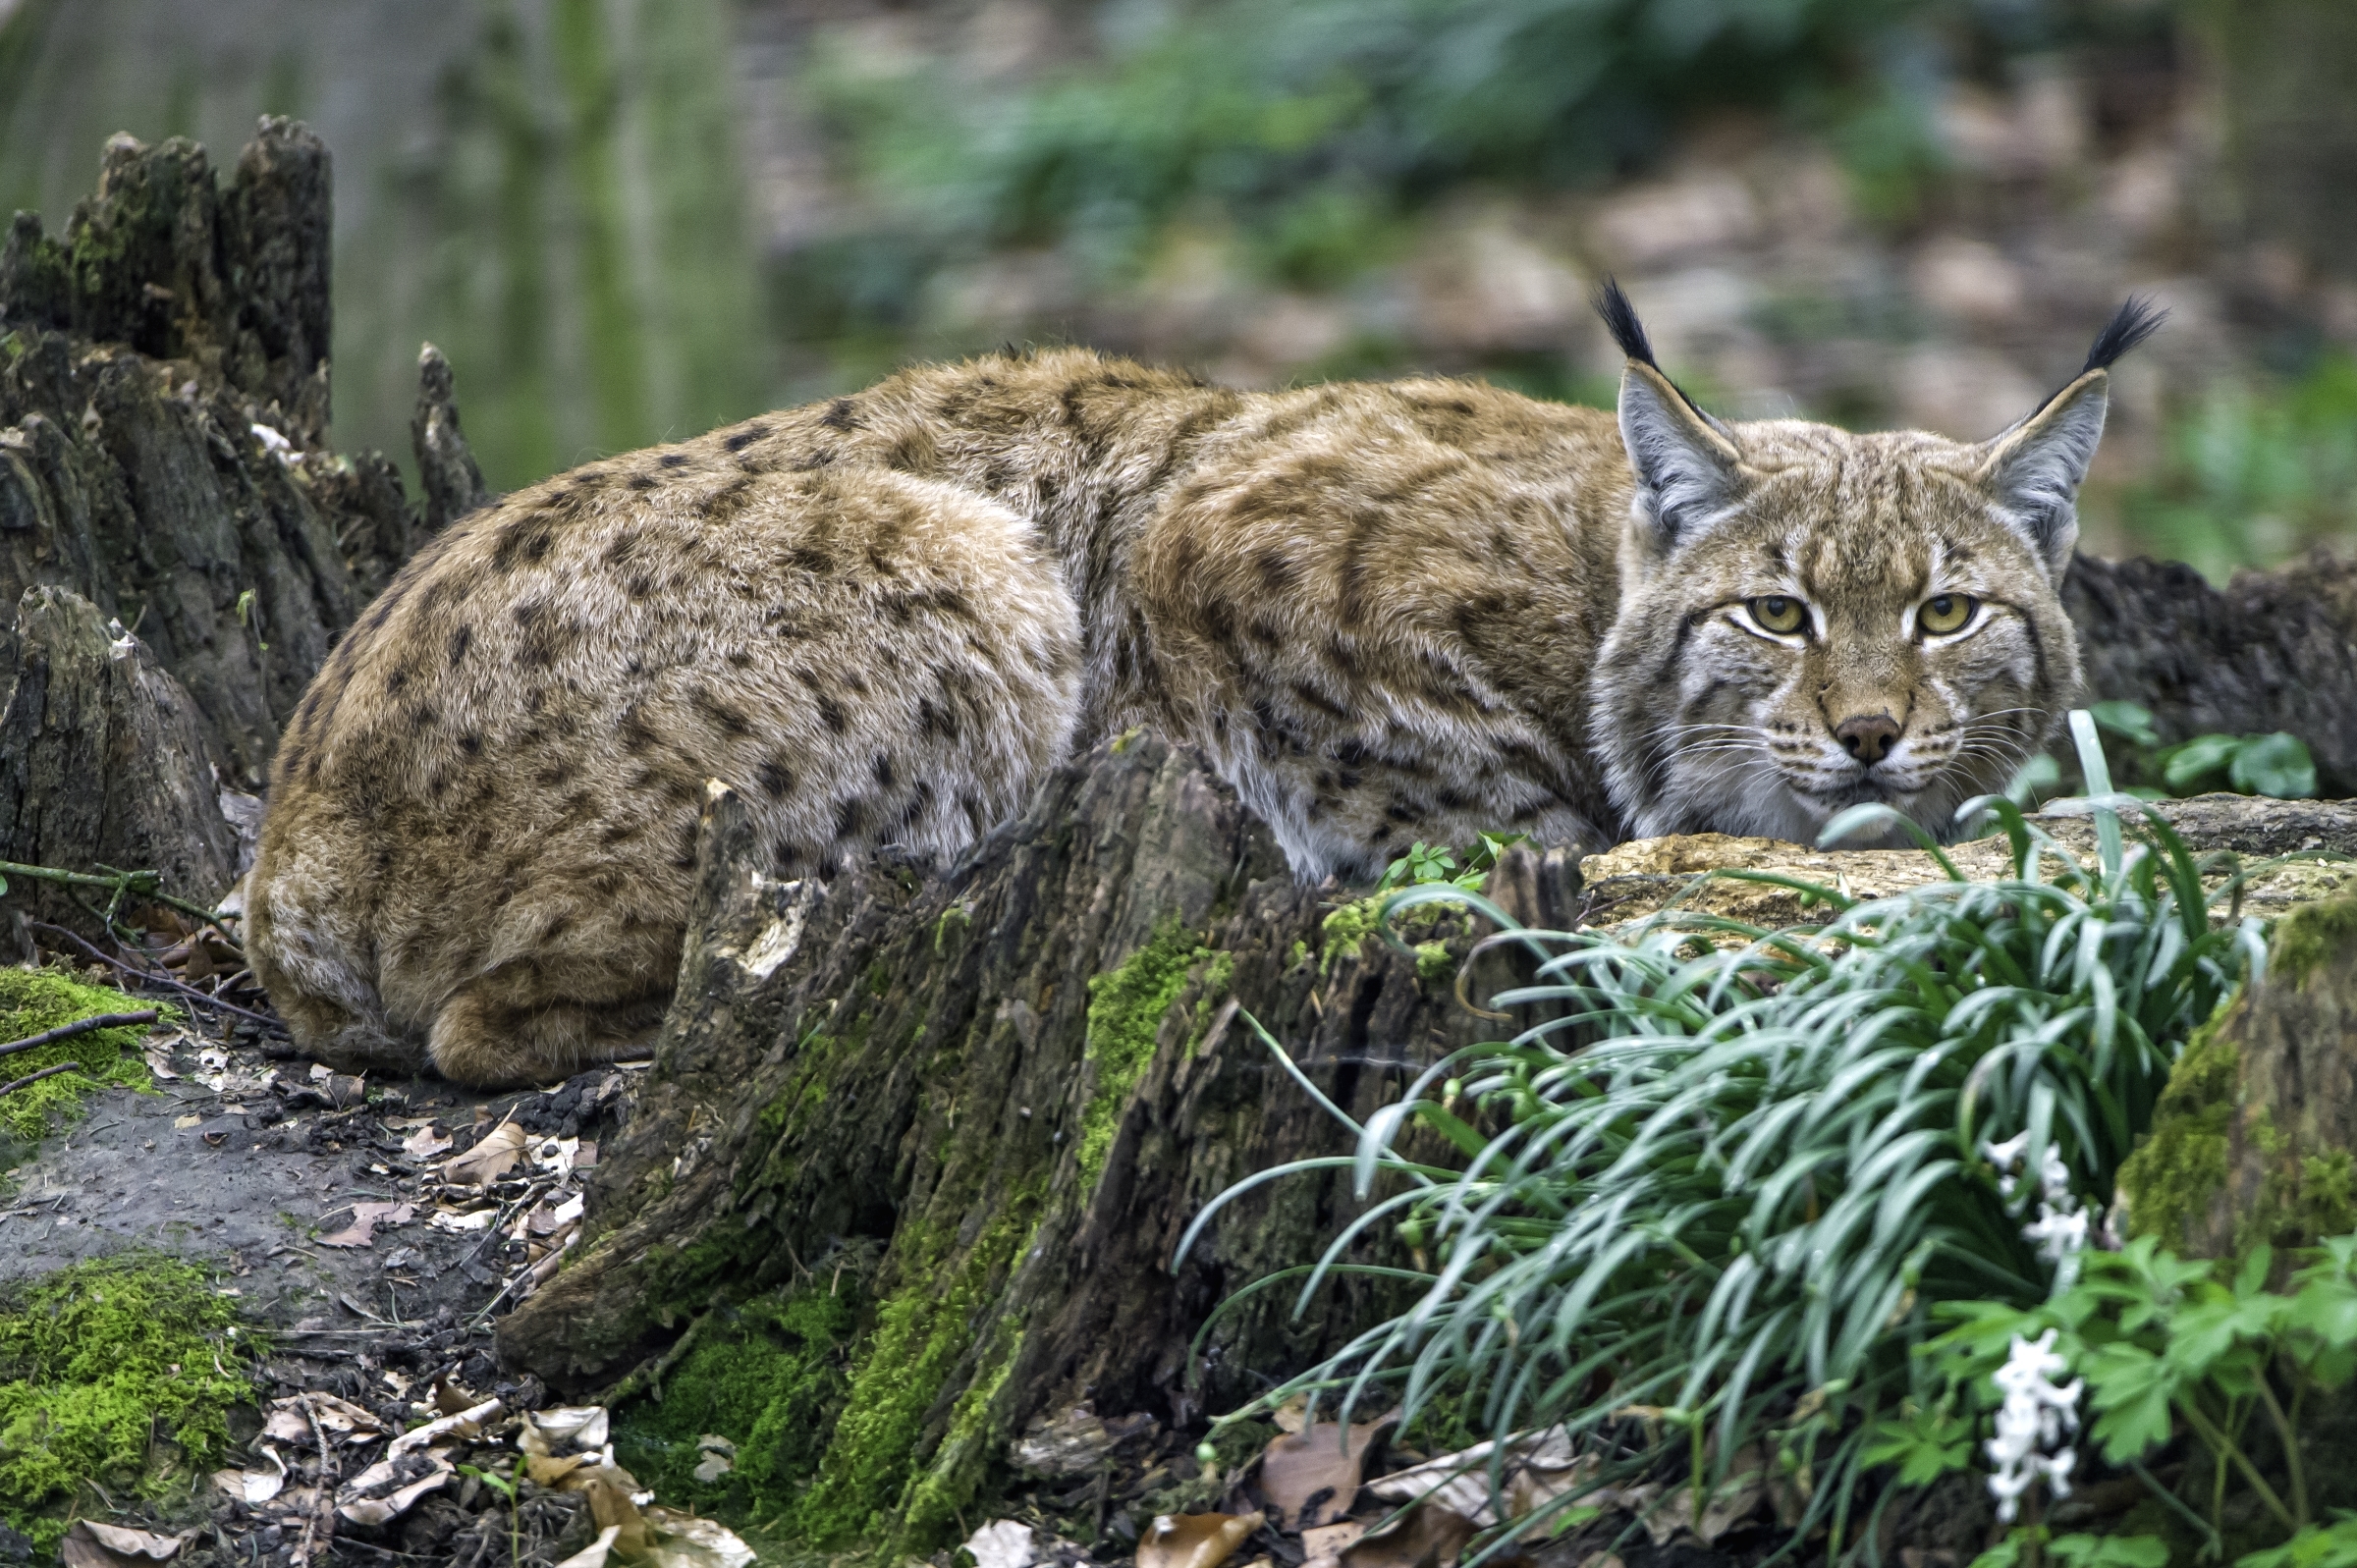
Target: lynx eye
(1945, 613)
(1777, 613)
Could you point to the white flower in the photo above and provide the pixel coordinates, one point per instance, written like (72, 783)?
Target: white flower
(277, 445)
(2034, 1417)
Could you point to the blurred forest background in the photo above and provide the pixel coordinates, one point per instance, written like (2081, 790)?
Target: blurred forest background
(630, 220)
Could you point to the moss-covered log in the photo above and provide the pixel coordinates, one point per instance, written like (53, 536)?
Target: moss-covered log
(990, 1104)
(2255, 1140)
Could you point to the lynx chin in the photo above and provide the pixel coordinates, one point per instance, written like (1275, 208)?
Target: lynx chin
(1384, 612)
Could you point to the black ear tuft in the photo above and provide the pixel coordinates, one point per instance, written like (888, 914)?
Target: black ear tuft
(2137, 319)
(1621, 320)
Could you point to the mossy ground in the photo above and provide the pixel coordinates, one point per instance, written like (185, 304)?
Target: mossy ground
(118, 1371)
(33, 1001)
(771, 1379)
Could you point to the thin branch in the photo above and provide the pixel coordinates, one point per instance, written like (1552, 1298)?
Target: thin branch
(79, 1026)
(152, 977)
(37, 1077)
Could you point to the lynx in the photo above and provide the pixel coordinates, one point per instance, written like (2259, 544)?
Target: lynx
(1384, 612)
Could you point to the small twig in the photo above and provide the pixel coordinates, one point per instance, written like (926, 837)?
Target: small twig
(320, 1527)
(153, 978)
(148, 883)
(37, 1077)
(79, 1026)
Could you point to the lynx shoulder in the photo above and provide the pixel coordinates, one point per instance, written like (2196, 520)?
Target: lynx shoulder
(1383, 612)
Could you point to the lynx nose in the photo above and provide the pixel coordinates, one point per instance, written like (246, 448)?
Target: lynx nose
(1868, 738)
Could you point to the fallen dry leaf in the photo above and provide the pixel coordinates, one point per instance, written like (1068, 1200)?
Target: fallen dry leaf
(1003, 1543)
(550, 1472)
(1538, 1467)
(448, 1396)
(388, 1489)
(159, 1061)
(92, 1544)
(365, 1218)
(690, 1541)
(452, 1220)
(580, 1428)
(1292, 1415)
(594, 1554)
(1429, 1537)
(185, 1121)
(255, 1488)
(488, 1160)
(465, 1424)
(1325, 1543)
(424, 1143)
(1732, 1502)
(1311, 1475)
(1195, 1540)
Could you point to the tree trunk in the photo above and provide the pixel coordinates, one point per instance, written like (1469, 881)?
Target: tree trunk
(995, 1100)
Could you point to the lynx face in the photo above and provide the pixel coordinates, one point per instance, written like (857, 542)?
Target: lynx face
(1811, 620)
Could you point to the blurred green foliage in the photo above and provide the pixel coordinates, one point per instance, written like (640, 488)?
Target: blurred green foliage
(1319, 128)
(2252, 472)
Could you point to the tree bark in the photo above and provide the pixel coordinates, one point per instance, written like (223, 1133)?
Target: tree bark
(102, 762)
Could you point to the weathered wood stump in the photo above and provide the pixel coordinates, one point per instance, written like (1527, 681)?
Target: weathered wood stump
(997, 1099)
(164, 468)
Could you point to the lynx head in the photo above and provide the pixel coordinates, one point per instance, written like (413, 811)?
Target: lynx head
(1811, 619)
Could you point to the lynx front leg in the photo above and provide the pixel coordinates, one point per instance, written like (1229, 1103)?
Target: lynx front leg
(496, 1033)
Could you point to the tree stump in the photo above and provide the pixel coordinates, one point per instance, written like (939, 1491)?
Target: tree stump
(997, 1099)
(102, 760)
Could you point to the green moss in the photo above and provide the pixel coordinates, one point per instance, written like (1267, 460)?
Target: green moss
(99, 1359)
(32, 1001)
(942, 1491)
(1126, 1008)
(1434, 964)
(1216, 977)
(2179, 1168)
(876, 1459)
(958, 918)
(771, 1379)
(2311, 936)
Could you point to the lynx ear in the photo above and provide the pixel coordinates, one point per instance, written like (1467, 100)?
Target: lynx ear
(1687, 471)
(1685, 466)
(2032, 472)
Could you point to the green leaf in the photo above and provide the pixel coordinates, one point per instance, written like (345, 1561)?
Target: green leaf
(2333, 1545)
(2109, 1552)
(2186, 766)
(2276, 765)
(2007, 1553)
(2127, 721)
(2131, 1388)
(1923, 1449)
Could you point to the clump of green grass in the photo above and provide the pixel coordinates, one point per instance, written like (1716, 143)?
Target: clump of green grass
(1722, 1179)
(98, 1362)
(34, 1000)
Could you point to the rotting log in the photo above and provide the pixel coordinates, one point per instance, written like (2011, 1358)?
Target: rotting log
(102, 762)
(2271, 650)
(179, 549)
(163, 427)
(998, 1098)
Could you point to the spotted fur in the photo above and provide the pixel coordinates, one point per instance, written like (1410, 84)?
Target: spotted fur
(1385, 611)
